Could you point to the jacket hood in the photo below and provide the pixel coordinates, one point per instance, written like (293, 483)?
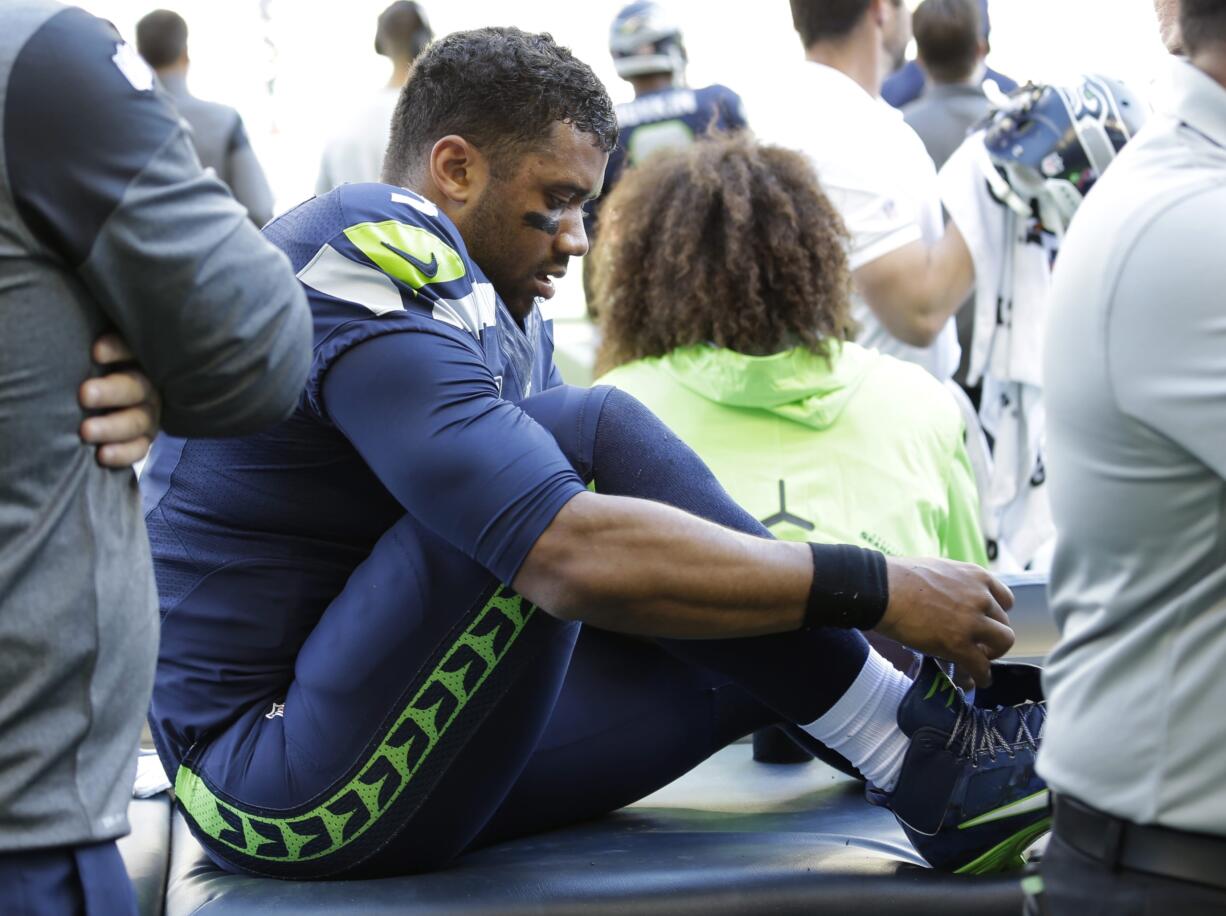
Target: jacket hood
(795, 384)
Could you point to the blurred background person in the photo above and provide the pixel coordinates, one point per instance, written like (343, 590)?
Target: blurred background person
(107, 222)
(950, 52)
(217, 130)
(907, 82)
(1013, 189)
(948, 36)
(356, 153)
(911, 272)
(649, 53)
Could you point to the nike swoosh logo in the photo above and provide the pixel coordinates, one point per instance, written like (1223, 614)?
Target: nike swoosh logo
(1035, 802)
(427, 270)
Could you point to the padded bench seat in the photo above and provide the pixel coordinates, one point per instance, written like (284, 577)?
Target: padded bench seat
(733, 836)
(146, 851)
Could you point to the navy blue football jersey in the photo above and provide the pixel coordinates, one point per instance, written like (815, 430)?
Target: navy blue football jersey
(252, 537)
(668, 119)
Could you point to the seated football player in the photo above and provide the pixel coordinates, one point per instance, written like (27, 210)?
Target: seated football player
(400, 625)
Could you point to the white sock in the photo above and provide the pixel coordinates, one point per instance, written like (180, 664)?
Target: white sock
(863, 724)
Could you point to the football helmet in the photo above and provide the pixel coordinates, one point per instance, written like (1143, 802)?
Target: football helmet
(1049, 144)
(644, 39)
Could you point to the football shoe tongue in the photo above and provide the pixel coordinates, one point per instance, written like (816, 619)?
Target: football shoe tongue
(932, 702)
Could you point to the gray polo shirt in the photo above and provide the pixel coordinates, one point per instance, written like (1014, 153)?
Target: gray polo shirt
(944, 114)
(1136, 413)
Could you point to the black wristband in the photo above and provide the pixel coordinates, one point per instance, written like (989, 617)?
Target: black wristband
(850, 588)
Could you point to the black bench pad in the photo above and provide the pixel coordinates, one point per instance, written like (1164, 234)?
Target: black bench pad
(733, 836)
(146, 851)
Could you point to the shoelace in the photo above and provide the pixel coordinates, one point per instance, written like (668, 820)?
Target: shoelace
(977, 735)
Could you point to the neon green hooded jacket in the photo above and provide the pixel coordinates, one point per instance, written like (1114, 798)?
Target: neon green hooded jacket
(864, 449)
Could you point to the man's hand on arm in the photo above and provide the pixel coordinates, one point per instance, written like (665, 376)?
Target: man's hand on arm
(212, 311)
(914, 289)
(124, 406)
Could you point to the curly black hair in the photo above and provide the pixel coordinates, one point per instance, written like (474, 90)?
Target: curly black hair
(501, 89)
(729, 242)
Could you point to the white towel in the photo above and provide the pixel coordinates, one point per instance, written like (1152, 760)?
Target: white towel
(1012, 280)
(1012, 271)
(1015, 507)
(150, 777)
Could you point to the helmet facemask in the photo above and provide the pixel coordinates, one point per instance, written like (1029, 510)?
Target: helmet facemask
(644, 40)
(1049, 145)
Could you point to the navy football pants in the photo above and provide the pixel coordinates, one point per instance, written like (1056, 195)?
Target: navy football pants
(433, 710)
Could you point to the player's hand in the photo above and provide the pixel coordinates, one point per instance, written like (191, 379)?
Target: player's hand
(949, 609)
(124, 406)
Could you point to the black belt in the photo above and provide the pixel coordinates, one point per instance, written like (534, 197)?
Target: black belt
(1117, 843)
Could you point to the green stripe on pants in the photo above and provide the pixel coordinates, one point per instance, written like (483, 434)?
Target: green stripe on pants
(355, 807)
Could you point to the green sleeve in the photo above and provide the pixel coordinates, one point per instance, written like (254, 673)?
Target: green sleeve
(961, 536)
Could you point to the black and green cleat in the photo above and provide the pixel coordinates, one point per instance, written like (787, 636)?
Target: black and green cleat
(968, 797)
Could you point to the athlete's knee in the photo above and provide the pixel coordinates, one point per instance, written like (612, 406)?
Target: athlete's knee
(626, 423)
(625, 412)
(631, 439)
(636, 454)
(571, 415)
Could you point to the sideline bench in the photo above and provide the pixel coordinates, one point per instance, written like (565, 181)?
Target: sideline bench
(730, 837)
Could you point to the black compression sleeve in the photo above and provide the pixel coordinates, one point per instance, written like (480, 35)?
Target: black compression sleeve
(849, 590)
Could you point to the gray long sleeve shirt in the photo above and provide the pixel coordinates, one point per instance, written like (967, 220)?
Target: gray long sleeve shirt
(1136, 410)
(106, 220)
(222, 145)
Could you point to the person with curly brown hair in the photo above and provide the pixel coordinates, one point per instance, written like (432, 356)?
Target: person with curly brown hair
(737, 335)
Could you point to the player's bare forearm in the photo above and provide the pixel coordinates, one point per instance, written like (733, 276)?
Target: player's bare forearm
(647, 569)
(643, 568)
(915, 289)
(952, 272)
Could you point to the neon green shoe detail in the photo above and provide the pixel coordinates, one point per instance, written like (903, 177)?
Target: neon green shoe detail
(1007, 854)
(1035, 802)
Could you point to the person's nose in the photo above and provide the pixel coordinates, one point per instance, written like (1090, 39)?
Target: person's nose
(571, 239)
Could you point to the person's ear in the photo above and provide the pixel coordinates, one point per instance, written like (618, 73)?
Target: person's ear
(876, 9)
(458, 169)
